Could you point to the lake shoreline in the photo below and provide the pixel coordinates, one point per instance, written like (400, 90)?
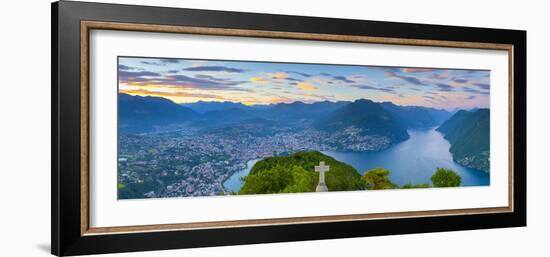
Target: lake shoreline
(419, 156)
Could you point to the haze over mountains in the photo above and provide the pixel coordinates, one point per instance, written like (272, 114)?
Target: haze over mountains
(139, 114)
(203, 107)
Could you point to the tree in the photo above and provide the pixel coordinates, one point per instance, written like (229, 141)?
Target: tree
(378, 178)
(409, 186)
(270, 181)
(445, 178)
(303, 181)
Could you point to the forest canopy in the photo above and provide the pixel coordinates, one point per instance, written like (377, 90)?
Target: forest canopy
(295, 173)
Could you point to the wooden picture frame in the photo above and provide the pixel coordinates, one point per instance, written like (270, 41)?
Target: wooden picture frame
(71, 26)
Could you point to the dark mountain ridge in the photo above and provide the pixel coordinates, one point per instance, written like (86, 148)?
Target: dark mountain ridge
(138, 114)
(204, 106)
(411, 116)
(370, 117)
(468, 132)
(417, 116)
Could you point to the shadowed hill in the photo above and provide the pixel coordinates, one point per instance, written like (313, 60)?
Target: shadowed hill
(137, 114)
(469, 135)
(368, 116)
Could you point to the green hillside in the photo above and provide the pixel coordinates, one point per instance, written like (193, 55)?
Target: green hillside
(468, 133)
(296, 173)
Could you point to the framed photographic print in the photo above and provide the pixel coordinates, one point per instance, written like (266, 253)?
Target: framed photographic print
(177, 128)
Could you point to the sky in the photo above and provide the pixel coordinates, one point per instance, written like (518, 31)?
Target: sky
(250, 83)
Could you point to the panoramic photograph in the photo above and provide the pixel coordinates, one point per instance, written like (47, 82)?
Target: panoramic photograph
(194, 127)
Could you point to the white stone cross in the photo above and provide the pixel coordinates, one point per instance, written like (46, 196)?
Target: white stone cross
(322, 187)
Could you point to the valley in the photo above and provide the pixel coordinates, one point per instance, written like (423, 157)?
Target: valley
(191, 150)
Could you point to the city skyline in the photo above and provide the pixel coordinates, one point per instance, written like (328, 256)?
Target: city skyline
(250, 83)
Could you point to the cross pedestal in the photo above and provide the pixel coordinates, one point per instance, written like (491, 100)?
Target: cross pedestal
(322, 168)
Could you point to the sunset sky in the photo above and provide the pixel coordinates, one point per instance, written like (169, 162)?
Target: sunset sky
(186, 81)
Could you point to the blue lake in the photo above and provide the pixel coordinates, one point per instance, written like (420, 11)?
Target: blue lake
(411, 161)
(234, 183)
(414, 160)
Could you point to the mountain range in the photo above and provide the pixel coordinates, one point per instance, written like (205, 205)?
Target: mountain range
(370, 117)
(468, 132)
(139, 114)
(203, 106)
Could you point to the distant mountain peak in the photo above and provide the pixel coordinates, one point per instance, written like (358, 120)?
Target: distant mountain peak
(367, 116)
(138, 114)
(209, 106)
(363, 100)
(295, 103)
